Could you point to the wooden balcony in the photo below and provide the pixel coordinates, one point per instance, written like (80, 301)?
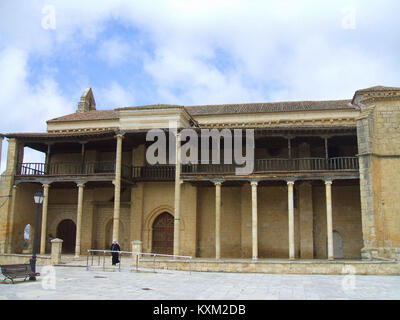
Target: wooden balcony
(167, 172)
(280, 165)
(307, 165)
(72, 169)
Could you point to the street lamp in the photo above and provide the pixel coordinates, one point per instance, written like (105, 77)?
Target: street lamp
(38, 198)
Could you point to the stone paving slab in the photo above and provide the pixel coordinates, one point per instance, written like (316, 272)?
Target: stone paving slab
(73, 283)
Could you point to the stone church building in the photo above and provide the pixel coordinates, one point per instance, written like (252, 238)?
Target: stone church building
(325, 182)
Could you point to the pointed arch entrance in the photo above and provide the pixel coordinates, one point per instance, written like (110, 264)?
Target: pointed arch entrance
(163, 234)
(66, 230)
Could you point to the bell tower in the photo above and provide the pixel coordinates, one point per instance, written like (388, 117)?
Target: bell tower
(87, 102)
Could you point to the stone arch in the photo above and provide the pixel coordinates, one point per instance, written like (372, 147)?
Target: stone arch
(28, 238)
(56, 217)
(148, 224)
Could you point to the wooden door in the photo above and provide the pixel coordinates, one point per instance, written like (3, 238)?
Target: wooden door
(66, 231)
(163, 234)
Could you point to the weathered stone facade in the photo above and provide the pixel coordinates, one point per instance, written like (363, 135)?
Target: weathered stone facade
(325, 206)
(378, 134)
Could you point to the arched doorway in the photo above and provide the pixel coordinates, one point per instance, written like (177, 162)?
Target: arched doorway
(337, 245)
(27, 239)
(66, 231)
(163, 234)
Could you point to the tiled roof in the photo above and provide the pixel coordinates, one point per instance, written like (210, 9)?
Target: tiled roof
(216, 109)
(41, 135)
(89, 115)
(377, 89)
(151, 107)
(269, 107)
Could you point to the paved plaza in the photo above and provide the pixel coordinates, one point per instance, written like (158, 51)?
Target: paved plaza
(68, 283)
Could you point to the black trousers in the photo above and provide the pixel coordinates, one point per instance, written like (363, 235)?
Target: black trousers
(115, 258)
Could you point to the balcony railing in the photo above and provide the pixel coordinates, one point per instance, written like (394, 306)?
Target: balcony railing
(72, 168)
(156, 172)
(167, 172)
(279, 165)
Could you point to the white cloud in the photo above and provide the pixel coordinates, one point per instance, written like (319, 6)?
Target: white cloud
(114, 51)
(285, 49)
(23, 103)
(26, 107)
(114, 96)
(197, 52)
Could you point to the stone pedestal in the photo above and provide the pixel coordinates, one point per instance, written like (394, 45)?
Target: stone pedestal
(136, 250)
(56, 247)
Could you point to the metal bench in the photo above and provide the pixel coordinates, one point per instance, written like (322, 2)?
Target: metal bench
(13, 271)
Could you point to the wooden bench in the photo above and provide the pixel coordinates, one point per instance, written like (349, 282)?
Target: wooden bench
(13, 271)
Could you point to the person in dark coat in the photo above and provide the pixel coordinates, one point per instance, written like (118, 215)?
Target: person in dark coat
(115, 255)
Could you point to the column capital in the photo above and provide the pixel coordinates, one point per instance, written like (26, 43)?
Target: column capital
(254, 182)
(290, 182)
(15, 186)
(218, 182)
(80, 185)
(46, 185)
(328, 182)
(120, 135)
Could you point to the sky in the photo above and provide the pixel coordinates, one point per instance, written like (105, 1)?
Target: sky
(188, 52)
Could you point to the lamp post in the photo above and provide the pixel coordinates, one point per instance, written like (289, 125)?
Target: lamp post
(38, 198)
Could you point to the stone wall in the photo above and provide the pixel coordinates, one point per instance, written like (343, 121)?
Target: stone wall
(24, 259)
(378, 129)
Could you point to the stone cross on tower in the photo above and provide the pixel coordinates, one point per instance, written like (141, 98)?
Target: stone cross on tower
(87, 102)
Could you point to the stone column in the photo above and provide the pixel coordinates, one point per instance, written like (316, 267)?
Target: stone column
(291, 219)
(177, 203)
(218, 220)
(254, 219)
(56, 247)
(329, 224)
(117, 187)
(11, 219)
(44, 218)
(79, 220)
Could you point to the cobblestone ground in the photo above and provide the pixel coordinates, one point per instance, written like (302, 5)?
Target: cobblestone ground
(78, 283)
